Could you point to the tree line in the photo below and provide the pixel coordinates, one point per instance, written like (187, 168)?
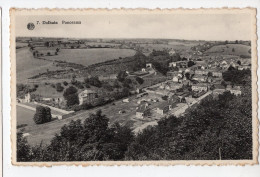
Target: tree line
(215, 129)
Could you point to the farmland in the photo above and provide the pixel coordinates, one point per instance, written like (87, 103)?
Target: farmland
(176, 45)
(90, 56)
(24, 116)
(27, 66)
(239, 49)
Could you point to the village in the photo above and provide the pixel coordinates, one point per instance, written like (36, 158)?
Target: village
(135, 97)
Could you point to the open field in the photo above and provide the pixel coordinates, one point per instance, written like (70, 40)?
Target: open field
(24, 116)
(89, 56)
(176, 45)
(28, 66)
(239, 49)
(21, 44)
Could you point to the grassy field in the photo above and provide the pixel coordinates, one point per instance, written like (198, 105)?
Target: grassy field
(24, 116)
(90, 56)
(176, 45)
(27, 66)
(239, 49)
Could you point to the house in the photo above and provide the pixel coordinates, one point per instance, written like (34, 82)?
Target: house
(46, 99)
(141, 110)
(143, 70)
(224, 65)
(199, 78)
(217, 74)
(182, 96)
(58, 100)
(201, 72)
(182, 64)
(27, 98)
(218, 89)
(172, 64)
(199, 87)
(171, 74)
(175, 79)
(171, 52)
(87, 96)
(126, 100)
(235, 90)
(187, 70)
(148, 65)
(163, 108)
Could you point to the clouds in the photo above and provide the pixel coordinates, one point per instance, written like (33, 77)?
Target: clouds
(175, 26)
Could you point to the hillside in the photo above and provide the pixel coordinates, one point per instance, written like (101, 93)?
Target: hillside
(239, 49)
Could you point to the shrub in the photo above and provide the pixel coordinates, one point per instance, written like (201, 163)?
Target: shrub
(71, 96)
(59, 88)
(139, 80)
(42, 115)
(65, 83)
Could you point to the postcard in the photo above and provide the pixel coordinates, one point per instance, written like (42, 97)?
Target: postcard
(134, 87)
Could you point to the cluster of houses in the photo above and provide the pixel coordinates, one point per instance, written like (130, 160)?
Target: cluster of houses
(201, 77)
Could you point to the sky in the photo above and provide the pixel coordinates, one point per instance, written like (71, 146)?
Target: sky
(169, 26)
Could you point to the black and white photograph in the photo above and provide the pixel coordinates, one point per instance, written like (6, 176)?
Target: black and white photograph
(134, 87)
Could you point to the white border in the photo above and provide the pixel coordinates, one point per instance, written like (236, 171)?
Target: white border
(11, 171)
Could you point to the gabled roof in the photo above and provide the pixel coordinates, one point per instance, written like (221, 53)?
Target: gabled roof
(219, 86)
(142, 107)
(88, 91)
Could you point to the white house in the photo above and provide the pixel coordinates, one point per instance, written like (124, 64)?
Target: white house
(27, 98)
(175, 79)
(172, 64)
(199, 87)
(87, 96)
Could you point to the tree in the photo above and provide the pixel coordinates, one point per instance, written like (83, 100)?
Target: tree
(23, 148)
(91, 140)
(212, 126)
(210, 74)
(65, 83)
(59, 88)
(233, 49)
(94, 81)
(190, 63)
(121, 76)
(139, 80)
(71, 96)
(187, 75)
(42, 115)
(239, 62)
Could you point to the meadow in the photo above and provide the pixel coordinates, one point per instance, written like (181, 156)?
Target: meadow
(24, 116)
(28, 66)
(176, 45)
(88, 57)
(239, 49)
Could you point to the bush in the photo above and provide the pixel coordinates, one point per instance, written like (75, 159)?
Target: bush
(65, 83)
(59, 88)
(94, 81)
(42, 115)
(71, 96)
(165, 97)
(139, 80)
